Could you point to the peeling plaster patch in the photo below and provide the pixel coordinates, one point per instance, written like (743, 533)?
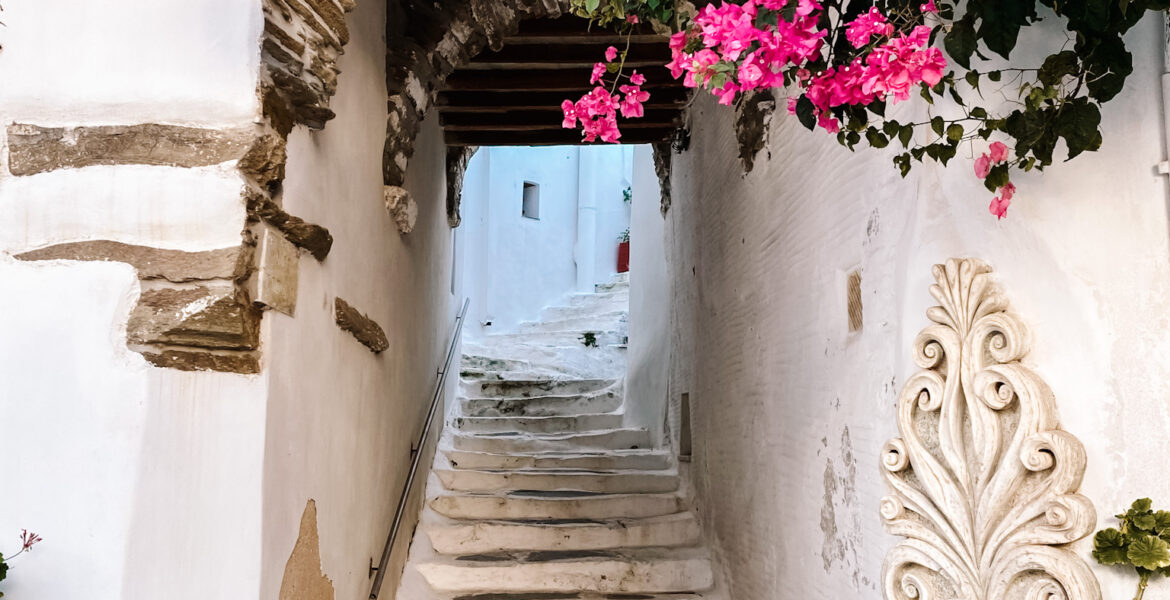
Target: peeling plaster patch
(840, 521)
(304, 579)
(753, 117)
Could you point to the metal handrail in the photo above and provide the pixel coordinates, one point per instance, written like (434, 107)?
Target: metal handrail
(417, 454)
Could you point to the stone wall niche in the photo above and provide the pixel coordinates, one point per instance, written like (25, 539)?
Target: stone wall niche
(983, 481)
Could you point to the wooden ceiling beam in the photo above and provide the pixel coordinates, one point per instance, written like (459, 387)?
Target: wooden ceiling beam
(469, 121)
(549, 80)
(549, 137)
(541, 101)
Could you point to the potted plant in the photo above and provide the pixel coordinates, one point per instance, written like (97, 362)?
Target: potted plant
(623, 261)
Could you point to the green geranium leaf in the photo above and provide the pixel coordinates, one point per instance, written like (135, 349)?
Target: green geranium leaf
(1149, 552)
(1109, 547)
(1162, 522)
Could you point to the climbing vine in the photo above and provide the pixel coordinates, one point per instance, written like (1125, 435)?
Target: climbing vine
(844, 63)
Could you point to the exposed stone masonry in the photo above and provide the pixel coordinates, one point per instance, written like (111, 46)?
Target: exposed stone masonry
(426, 42)
(301, 44)
(457, 159)
(363, 328)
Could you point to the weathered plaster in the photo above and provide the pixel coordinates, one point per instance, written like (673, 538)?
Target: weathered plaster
(303, 577)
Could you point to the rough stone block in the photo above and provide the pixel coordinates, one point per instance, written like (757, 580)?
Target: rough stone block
(204, 316)
(34, 149)
(360, 326)
(402, 208)
(202, 360)
(311, 237)
(151, 263)
(274, 282)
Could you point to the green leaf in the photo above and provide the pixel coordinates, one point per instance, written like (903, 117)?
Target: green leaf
(905, 135)
(1058, 66)
(591, 5)
(979, 112)
(955, 132)
(995, 75)
(937, 125)
(806, 113)
(1162, 522)
(876, 138)
(972, 78)
(1149, 552)
(997, 177)
(960, 41)
(1109, 547)
(1078, 123)
(891, 128)
(1140, 505)
(1002, 20)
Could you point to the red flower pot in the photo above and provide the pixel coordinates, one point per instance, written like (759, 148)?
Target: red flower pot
(623, 257)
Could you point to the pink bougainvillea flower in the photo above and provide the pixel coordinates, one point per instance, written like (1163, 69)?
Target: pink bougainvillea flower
(634, 18)
(727, 93)
(598, 72)
(999, 152)
(999, 206)
(28, 539)
(637, 78)
(1008, 190)
(792, 105)
(570, 110)
(631, 104)
(610, 54)
(928, 7)
(867, 25)
(982, 166)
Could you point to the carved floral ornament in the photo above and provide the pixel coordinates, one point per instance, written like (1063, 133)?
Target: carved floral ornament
(983, 481)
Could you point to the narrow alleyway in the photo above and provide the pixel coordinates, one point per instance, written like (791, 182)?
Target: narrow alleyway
(539, 489)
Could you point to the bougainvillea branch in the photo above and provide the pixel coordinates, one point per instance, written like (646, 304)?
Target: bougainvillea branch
(842, 63)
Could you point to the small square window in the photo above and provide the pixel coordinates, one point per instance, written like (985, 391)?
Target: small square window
(531, 207)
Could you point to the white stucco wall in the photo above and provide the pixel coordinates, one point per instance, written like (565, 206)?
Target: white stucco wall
(341, 419)
(143, 481)
(790, 410)
(513, 266)
(649, 349)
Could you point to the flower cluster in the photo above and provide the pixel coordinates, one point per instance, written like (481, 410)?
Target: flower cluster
(27, 540)
(998, 155)
(597, 111)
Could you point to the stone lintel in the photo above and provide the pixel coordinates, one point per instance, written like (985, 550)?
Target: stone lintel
(274, 282)
(360, 326)
(202, 360)
(177, 266)
(34, 149)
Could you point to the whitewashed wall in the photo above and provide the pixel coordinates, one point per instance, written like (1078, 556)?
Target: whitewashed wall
(111, 460)
(649, 349)
(514, 266)
(790, 410)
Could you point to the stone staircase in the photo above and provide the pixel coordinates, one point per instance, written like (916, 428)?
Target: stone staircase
(539, 489)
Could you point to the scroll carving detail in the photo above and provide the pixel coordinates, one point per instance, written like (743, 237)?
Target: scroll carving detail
(983, 481)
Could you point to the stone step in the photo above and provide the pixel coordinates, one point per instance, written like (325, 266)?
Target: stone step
(601, 482)
(615, 298)
(560, 424)
(524, 443)
(480, 362)
(569, 361)
(648, 460)
(598, 338)
(610, 308)
(527, 388)
(607, 322)
(496, 536)
(612, 286)
(542, 406)
(598, 572)
(581, 596)
(546, 506)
